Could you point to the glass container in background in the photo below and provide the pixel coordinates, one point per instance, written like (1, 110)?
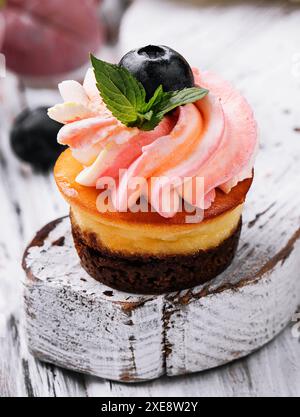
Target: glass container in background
(50, 40)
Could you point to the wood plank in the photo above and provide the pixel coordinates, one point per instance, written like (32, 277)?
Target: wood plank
(260, 40)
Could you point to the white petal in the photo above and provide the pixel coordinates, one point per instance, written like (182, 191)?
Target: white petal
(90, 86)
(69, 112)
(96, 103)
(72, 91)
(87, 155)
(90, 175)
(86, 133)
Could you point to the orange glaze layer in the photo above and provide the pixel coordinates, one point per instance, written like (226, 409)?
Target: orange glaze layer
(67, 168)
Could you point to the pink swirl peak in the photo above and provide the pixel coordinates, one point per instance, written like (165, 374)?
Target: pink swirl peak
(214, 139)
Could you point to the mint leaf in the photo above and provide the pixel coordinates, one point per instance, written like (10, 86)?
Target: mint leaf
(171, 101)
(156, 99)
(152, 123)
(125, 96)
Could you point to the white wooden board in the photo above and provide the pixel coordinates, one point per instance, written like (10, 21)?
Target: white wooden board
(79, 324)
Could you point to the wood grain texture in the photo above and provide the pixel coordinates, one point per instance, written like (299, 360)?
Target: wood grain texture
(255, 45)
(77, 323)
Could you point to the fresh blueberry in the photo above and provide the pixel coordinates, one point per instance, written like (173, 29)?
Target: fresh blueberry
(158, 65)
(34, 139)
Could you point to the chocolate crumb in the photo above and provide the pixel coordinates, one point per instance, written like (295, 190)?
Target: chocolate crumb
(59, 242)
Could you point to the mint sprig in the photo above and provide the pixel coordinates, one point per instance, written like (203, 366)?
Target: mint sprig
(125, 96)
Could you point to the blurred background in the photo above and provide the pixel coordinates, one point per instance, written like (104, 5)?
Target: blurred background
(46, 41)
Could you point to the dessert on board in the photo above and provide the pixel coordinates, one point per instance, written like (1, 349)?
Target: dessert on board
(159, 163)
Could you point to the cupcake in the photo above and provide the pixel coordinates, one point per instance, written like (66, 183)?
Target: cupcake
(159, 165)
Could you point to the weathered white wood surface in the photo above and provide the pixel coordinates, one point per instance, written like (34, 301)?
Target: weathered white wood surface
(254, 44)
(77, 323)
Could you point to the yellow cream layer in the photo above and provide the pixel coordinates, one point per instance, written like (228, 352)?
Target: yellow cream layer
(157, 239)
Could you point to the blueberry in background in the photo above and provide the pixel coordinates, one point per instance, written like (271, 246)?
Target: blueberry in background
(34, 139)
(159, 65)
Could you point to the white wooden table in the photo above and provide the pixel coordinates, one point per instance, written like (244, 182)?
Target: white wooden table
(255, 45)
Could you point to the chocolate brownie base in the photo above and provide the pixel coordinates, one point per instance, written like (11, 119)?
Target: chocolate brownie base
(153, 274)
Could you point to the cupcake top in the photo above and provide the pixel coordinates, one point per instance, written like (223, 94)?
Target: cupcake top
(153, 130)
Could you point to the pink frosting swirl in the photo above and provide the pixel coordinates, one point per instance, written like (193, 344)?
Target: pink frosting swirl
(214, 139)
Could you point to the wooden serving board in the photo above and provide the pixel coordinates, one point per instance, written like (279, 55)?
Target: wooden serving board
(77, 323)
